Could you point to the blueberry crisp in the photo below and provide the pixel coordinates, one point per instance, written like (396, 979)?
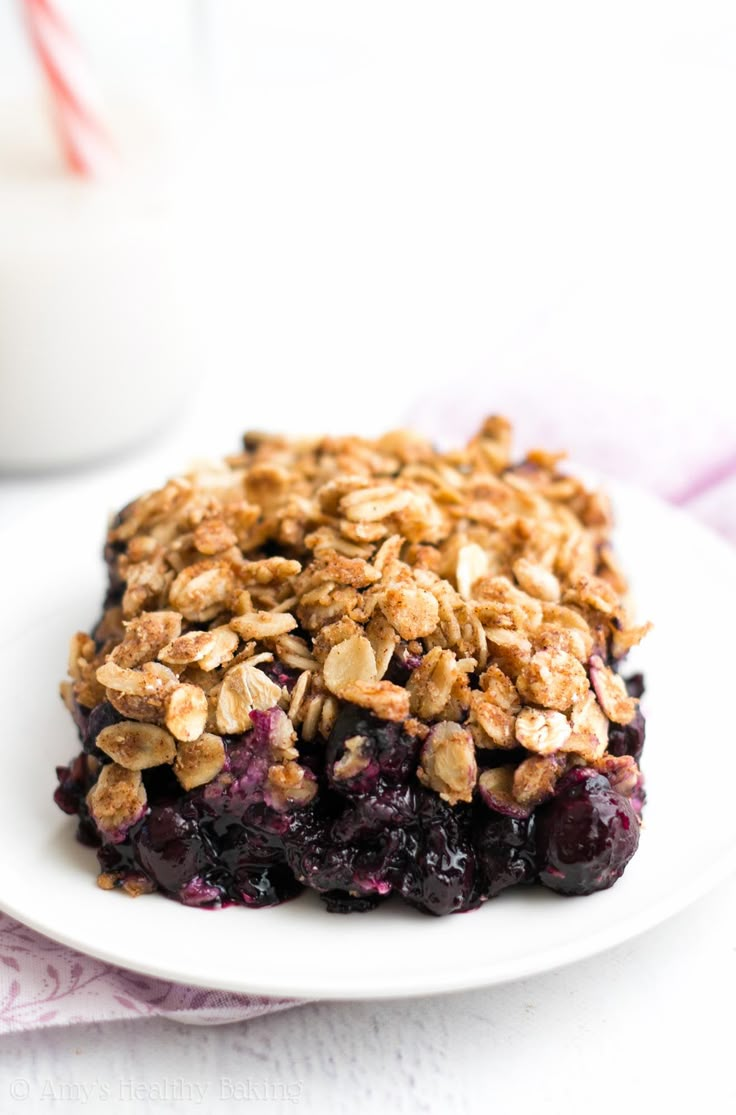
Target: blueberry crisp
(365, 667)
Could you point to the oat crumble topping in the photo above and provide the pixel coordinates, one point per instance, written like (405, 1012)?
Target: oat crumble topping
(492, 582)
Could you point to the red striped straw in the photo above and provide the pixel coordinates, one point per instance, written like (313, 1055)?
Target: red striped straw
(86, 144)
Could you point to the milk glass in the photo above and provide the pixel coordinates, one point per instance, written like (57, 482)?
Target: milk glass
(100, 321)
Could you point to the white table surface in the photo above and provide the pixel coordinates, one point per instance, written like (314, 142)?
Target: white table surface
(647, 1026)
(650, 1022)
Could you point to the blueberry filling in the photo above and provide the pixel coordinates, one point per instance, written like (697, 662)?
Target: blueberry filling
(371, 831)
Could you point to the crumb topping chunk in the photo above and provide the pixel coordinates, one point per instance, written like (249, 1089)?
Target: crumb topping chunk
(471, 599)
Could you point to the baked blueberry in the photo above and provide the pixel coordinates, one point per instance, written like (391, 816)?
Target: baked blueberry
(586, 835)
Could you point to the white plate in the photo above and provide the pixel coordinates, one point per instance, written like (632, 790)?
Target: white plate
(683, 578)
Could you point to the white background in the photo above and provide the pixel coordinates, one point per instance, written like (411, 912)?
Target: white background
(407, 196)
(435, 201)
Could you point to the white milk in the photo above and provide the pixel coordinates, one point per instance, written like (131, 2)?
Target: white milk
(97, 309)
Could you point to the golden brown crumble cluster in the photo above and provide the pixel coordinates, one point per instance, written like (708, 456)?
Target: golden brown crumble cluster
(492, 583)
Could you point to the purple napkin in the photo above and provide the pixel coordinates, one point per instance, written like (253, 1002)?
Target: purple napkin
(43, 983)
(672, 441)
(660, 443)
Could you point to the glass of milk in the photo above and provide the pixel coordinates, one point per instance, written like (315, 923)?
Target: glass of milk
(99, 309)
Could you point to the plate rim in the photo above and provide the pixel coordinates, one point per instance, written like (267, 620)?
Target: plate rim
(551, 960)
